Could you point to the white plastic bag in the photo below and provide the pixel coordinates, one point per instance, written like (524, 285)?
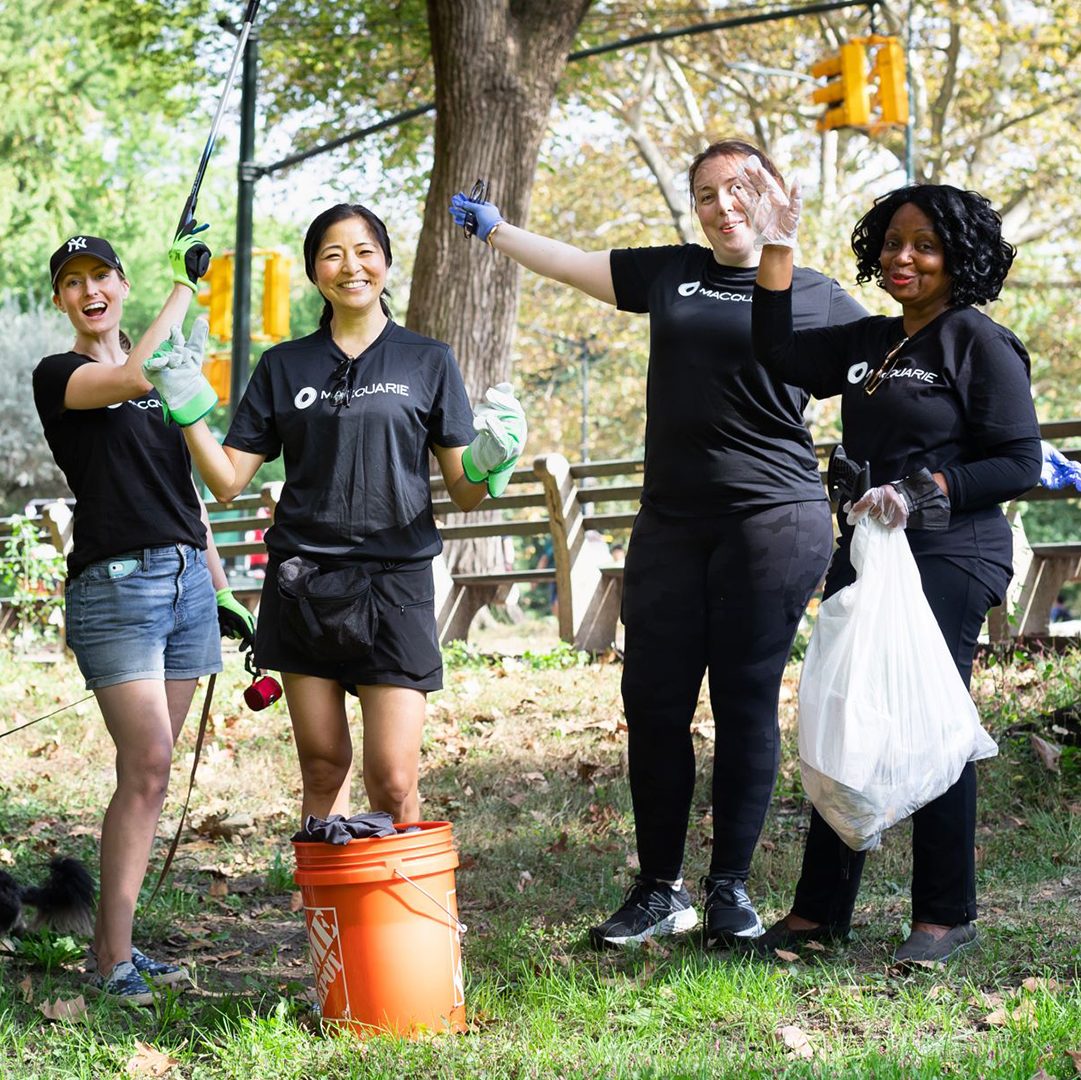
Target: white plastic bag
(886, 724)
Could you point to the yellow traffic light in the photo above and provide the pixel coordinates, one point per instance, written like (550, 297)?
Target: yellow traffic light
(847, 92)
(218, 296)
(889, 76)
(276, 295)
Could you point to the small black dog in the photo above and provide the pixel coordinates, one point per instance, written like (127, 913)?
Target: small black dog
(64, 902)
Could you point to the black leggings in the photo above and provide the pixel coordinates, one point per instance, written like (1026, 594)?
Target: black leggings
(724, 593)
(943, 831)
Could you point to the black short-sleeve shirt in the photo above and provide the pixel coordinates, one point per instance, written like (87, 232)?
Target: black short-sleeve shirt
(722, 434)
(355, 437)
(129, 472)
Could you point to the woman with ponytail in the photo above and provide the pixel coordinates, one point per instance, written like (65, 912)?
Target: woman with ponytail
(354, 409)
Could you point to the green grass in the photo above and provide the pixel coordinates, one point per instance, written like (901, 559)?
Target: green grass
(528, 760)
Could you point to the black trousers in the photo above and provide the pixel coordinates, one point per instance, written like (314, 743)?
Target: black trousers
(724, 594)
(943, 831)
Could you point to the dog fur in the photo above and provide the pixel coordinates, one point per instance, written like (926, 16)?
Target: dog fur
(64, 902)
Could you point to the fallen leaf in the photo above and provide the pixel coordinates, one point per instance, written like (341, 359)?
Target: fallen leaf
(26, 988)
(1033, 984)
(795, 1039)
(149, 1061)
(815, 946)
(296, 901)
(525, 879)
(937, 991)
(1075, 1057)
(1041, 1075)
(218, 887)
(535, 778)
(789, 957)
(1047, 752)
(60, 1009)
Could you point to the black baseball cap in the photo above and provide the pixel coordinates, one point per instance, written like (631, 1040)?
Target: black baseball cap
(82, 245)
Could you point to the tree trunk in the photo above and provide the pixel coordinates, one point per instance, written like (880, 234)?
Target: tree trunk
(497, 64)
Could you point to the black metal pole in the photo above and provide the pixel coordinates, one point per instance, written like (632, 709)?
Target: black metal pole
(247, 174)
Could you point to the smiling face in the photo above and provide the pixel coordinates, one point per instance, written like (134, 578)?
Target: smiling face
(913, 263)
(350, 267)
(722, 218)
(91, 294)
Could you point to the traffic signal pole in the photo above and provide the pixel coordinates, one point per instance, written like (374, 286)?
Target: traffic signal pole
(247, 174)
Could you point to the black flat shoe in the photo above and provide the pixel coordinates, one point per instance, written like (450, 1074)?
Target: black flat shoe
(780, 936)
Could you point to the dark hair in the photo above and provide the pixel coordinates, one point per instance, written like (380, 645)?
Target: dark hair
(724, 148)
(317, 230)
(977, 258)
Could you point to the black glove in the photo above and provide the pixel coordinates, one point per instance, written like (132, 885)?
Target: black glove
(846, 480)
(928, 505)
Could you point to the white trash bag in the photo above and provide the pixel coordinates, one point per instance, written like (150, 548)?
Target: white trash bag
(886, 724)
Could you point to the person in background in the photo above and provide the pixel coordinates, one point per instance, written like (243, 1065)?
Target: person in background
(140, 609)
(937, 401)
(355, 409)
(732, 538)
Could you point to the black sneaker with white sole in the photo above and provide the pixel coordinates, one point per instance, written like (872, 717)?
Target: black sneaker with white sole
(650, 909)
(730, 918)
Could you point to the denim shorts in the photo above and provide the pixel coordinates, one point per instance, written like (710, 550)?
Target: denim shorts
(149, 614)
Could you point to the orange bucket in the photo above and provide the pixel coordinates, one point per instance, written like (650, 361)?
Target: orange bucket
(383, 929)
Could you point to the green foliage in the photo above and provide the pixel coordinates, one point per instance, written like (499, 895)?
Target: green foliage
(47, 950)
(31, 576)
(558, 658)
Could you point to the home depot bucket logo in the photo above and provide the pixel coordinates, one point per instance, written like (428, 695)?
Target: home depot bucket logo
(326, 949)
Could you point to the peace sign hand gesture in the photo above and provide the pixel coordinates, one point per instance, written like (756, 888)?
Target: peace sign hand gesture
(772, 214)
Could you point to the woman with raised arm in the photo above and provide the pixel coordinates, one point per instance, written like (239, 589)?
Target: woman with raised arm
(355, 409)
(140, 596)
(732, 538)
(937, 401)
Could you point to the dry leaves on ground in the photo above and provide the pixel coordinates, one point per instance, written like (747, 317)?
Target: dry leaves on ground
(795, 1038)
(1047, 753)
(149, 1061)
(61, 1009)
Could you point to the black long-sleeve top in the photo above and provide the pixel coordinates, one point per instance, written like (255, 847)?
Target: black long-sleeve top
(954, 398)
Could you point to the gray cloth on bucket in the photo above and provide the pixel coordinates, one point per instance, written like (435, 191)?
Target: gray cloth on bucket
(337, 829)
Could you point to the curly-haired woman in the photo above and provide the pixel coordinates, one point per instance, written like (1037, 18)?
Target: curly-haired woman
(939, 397)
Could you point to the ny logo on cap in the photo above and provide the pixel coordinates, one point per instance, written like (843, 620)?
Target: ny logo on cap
(76, 243)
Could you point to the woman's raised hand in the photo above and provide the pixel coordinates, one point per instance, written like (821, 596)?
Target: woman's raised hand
(482, 217)
(175, 370)
(771, 213)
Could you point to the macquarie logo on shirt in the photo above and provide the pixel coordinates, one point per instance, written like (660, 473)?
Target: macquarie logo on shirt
(308, 395)
(857, 373)
(690, 288)
(150, 403)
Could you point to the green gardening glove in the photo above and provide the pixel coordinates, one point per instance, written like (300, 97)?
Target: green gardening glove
(175, 370)
(189, 257)
(234, 619)
(500, 424)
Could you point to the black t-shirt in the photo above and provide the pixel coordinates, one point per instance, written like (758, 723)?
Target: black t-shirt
(130, 473)
(355, 436)
(956, 400)
(722, 434)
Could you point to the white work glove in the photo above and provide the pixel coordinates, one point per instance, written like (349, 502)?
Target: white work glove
(885, 504)
(772, 214)
(499, 421)
(175, 370)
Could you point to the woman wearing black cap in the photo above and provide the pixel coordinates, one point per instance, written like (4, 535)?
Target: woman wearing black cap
(354, 409)
(139, 602)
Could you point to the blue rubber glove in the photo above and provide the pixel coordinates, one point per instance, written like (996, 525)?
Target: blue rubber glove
(175, 370)
(500, 424)
(1058, 470)
(484, 216)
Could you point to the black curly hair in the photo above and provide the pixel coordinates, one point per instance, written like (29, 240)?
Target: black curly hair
(977, 258)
